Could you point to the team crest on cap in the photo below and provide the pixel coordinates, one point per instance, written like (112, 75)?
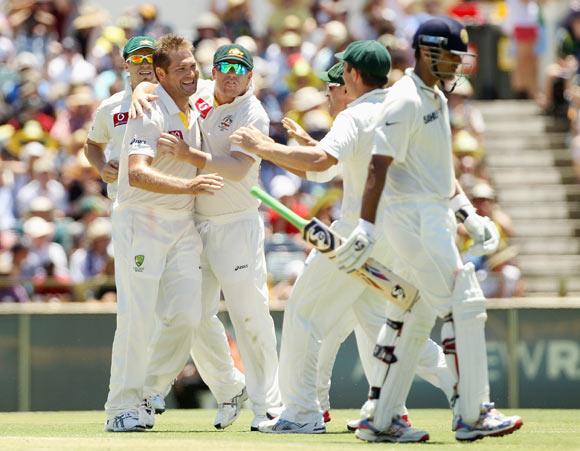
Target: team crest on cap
(235, 52)
(464, 36)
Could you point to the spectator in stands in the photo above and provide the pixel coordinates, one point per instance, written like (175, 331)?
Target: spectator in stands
(11, 289)
(523, 26)
(499, 277)
(560, 74)
(43, 183)
(43, 253)
(284, 188)
(91, 260)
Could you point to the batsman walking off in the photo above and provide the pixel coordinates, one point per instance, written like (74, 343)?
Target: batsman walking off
(411, 177)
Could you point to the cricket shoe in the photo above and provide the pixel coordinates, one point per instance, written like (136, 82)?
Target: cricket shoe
(147, 413)
(282, 426)
(398, 432)
(258, 419)
(158, 403)
(491, 423)
(127, 421)
(352, 425)
(230, 410)
(274, 412)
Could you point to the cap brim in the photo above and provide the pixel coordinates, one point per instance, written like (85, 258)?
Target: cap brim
(234, 58)
(324, 77)
(126, 54)
(339, 56)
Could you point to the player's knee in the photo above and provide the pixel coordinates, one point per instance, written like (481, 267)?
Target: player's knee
(467, 300)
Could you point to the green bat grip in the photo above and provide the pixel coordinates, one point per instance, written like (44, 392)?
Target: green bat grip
(279, 207)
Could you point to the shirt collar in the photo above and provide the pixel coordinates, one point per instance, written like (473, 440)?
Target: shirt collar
(366, 96)
(166, 100)
(436, 92)
(249, 93)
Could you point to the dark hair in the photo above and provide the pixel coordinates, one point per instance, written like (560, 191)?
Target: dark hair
(167, 44)
(372, 81)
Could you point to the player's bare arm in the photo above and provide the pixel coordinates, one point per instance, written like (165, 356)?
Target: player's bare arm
(234, 166)
(143, 176)
(141, 99)
(95, 153)
(377, 174)
(301, 158)
(295, 131)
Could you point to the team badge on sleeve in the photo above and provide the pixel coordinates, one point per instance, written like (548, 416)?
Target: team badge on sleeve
(120, 119)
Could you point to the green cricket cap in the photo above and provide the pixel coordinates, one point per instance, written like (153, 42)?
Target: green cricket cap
(234, 52)
(138, 42)
(370, 57)
(334, 74)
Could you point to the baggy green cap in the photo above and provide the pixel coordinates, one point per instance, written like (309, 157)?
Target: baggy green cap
(234, 52)
(138, 42)
(370, 57)
(334, 74)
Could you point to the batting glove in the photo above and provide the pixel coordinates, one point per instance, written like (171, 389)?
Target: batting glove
(481, 229)
(355, 251)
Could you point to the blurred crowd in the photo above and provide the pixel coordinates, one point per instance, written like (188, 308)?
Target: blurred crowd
(60, 58)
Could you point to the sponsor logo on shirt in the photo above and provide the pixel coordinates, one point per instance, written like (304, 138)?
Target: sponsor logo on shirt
(430, 117)
(120, 119)
(203, 107)
(237, 268)
(176, 133)
(137, 141)
(226, 123)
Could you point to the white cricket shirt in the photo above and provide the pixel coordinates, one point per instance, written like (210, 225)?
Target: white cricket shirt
(109, 128)
(413, 128)
(217, 124)
(141, 138)
(349, 141)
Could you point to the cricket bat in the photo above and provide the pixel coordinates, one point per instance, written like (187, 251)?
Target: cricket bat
(394, 288)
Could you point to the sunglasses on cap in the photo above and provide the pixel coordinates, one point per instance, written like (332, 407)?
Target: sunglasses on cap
(140, 59)
(225, 68)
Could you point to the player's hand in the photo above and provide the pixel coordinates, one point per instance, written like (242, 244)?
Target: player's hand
(355, 251)
(296, 132)
(171, 144)
(250, 138)
(206, 184)
(110, 171)
(141, 99)
(484, 234)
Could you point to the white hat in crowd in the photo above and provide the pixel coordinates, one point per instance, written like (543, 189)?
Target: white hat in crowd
(36, 227)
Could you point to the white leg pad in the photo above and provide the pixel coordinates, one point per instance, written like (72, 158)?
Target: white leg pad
(463, 339)
(400, 372)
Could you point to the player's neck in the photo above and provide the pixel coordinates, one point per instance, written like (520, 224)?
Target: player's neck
(425, 74)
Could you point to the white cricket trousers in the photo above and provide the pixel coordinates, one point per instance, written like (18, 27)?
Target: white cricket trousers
(233, 261)
(322, 296)
(157, 255)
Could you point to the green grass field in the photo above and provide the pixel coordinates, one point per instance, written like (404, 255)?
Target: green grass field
(193, 430)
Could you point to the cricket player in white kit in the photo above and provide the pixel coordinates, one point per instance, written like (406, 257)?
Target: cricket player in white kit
(412, 161)
(105, 137)
(322, 295)
(433, 369)
(232, 233)
(157, 247)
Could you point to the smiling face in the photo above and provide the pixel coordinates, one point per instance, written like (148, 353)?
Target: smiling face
(140, 72)
(230, 85)
(180, 78)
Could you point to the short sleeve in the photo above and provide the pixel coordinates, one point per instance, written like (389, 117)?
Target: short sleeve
(340, 141)
(142, 135)
(324, 176)
(393, 129)
(99, 131)
(257, 118)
